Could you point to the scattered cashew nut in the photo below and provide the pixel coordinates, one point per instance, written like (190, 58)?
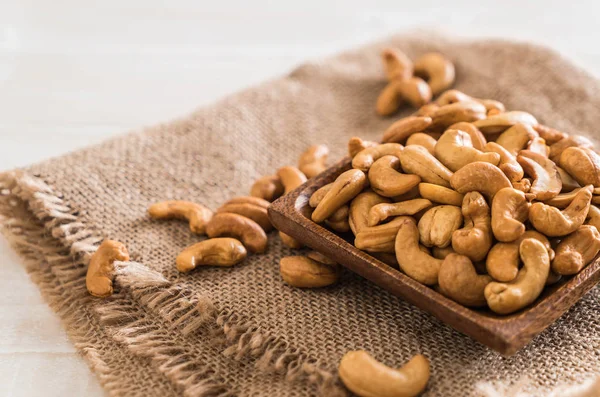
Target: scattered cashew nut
(268, 188)
(356, 144)
(360, 208)
(508, 163)
(291, 178)
(399, 131)
(101, 270)
(379, 238)
(477, 138)
(502, 121)
(237, 226)
(516, 138)
(215, 251)
(247, 206)
(197, 214)
(437, 70)
(422, 139)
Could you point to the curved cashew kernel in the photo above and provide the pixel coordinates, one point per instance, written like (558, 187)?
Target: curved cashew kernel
(454, 113)
(477, 138)
(197, 214)
(418, 161)
(345, 188)
(215, 251)
(381, 212)
(252, 211)
(244, 229)
(523, 185)
(502, 262)
(546, 179)
(101, 270)
(289, 241)
(453, 96)
(479, 176)
(415, 91)
(378, 238)
(249, 200)
(583, 164)
(553, 222)
(318, 195)
(510, 209)
(416, 263)
(422, 139)
(312, 161)
(576, 251)
(516, 138)
(268, 188)
(304, 272)
(474, 240)
(389, 100)
(360, 208)
(437, 225)
(400, 130)
(550, 135)
(538, 145)
(568, 182)
(355, 145)
(440, 194)
(442, 253)
(342, 226)
(460, 282)
(505, 298)
(455, 150)
(367, 377)
(387, 181)
(500, 122)
(396, 64)
(563, 200)
(508, 163)
(593, 217)
(437, 70)
(427, 110)
(365, 158)
(291, 178)
(570, 141)
(410, 195)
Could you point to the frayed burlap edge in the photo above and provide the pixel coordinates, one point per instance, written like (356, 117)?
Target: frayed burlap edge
(55, 233)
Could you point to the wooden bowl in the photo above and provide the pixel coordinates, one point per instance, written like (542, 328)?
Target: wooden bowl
(505, 334)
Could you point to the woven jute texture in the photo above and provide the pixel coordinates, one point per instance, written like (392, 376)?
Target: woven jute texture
(241, 330)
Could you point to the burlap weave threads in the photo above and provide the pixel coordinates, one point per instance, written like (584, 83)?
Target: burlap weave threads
(242, 331)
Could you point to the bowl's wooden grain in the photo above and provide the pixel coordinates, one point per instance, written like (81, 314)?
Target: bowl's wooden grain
(506, 334)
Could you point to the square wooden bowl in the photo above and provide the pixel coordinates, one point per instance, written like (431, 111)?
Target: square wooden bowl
(505, 334)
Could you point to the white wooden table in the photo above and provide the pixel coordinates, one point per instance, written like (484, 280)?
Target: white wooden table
(73, 73)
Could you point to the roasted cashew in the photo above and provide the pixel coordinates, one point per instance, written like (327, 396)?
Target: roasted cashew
(318, 195)
(305, 272)
(400, 130)
(455, 150)
(427, 110)
(477, 138)
(583, 164)
(453, 113)
(289, 241)
(197, 214)
(291, 178)
(576, 250)
(386, 180)
(523, 185)
(360, 208)
(268, 188)
(510, 210)
(415, 91)
(365, 158)
(568, 182)
(437, 225)
(508, 163)
(417, 264)
(437, 70)
(342, 226)
(389, 100)
(418, 161)
(101, 270)
(453, 96)
(459, 281)
(345, 188)
(356, 144)
(546, 179)
(244, 229)
(557, 148)
(550, 135)
(379, 238)
(214, 251)
(312, 161)
(553, 222)
(381, 212)
(475, 238)
(396, 64)
(593, 217)
(505, 298)
(410, 195)
(248, 207)
(516, 138)
(479, 176)
(563, 200)
(440, 194)
(442, 253)
(422, 139)
(538, 145)
(502, 121)
(367, 377)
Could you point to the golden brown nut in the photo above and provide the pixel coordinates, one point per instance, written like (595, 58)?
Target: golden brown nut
(313, 161)
(268, 188)
(415, 262)
(399, 131)
(249, 209)
(538, 145)
(197, 214)
(380, 212)
(318, 195)
(546, 179)
(418, 161)
(365, 158)
(237, 226)
(396, 64)
(568, 182)
(523, 185)
(508, 163)
(442, 253)
(454, 113)
(355, 145)
(304, 272)
(576, 250)
(427, 110)
(475, 238)
(289, 241)
(101, 270)
(414, 90)
(389, 100)
(502, 121)
(510, 210)
(345, 188)
(563, 200)
(249, 200)
(477, 138)
(213, 252)
(459, 281)
(360, 208)
(437, 225)
(557, 148)
(422, 139)
(379, 238)
(386, 180)
(516, 138)
(291, 178)
(455, 150)
(437, 70)
(593, 217)
(440, 194)
(582, 164)
(550, 135)
(481, 177)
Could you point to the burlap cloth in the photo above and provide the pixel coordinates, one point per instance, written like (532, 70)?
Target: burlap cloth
(241, 330)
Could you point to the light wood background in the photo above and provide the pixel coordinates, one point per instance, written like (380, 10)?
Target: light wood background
(74, 72)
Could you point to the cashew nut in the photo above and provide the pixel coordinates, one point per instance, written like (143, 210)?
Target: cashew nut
(101, 270)
(538, 145)
(437, 70)
(381, 212)
(305, 272)
(440, 194)
(289, 241)
(593, 217)
(483, 177)
(508, 163)
(568, 182)
(546, 179)
(389, 100)
(237, 226)
(197, 214)
(387, 181)
(475, 238)
(453, 96)
(414, 90)
(477, 138)
(505, 298)
(379, 238)
(576, 250)
(437, 225)
(510, 210)
(268, 188)
(563, 200)
(453, 113)
(400, 130)
(396, 64)
(344, 189)
(422, 139)
(427, 110)
(459, 281)
(410, 195)
(557, 148)
(356, 144)
(501, 121)
(312, 162)
(291, 178)
(455, 150)
(516, 138)
(248, 207)
(523, 185)
(360, 208)
(416, 263)
(550, 135)
(418, 161)
(318, 195)
(583, 164)
(215, 251)
(365, 158)
(367, 377)
(553, 222)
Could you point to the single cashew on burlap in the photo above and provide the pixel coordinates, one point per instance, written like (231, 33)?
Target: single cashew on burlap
(223, 252)
(267, 188)
(101, 270)
(437, 70)
(237, 226)
(313, 161)
(197, 214)
(307, 272)
(254, 208)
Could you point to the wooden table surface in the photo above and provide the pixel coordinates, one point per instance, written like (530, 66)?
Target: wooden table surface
(73, 73)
